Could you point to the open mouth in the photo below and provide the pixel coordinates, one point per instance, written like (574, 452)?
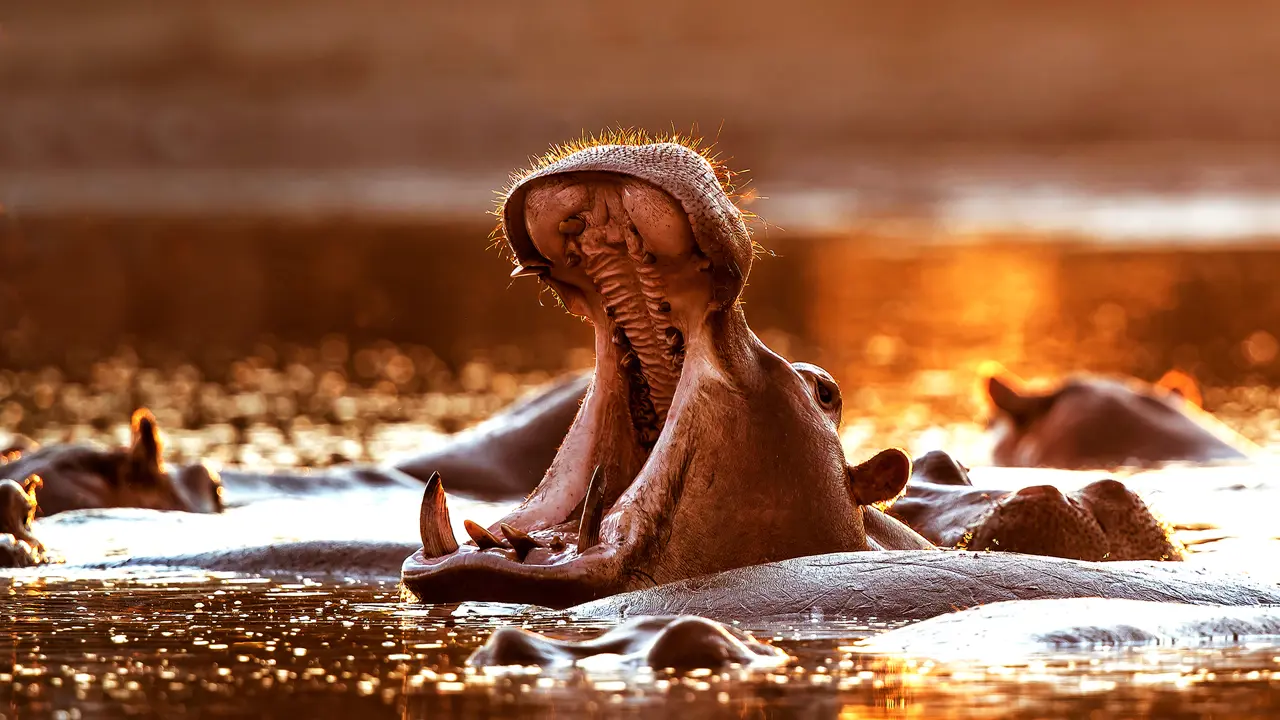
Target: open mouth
(620, 252)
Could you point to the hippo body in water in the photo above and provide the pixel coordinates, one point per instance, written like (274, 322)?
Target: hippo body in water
(1096, 422)
(1102, 521)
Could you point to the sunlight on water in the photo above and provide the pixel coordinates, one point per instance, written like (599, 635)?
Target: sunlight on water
(117, 645)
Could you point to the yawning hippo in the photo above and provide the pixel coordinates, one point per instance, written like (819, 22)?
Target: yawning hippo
(697, 449)
(1096, 422)
(82, 476)
(1102, 521)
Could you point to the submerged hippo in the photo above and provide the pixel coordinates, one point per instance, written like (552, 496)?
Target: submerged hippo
(1096, 422)
(1102, 521)
(79, 476)
(697, 448)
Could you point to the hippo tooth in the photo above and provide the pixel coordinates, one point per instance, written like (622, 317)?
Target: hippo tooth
(433, 521)
(533, 268)
(592, 513)
(520, 541)
(572, 226)
(483, 538)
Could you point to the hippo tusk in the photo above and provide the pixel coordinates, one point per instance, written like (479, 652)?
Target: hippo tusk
(482, 537)
(520, 541)
(433, 521)
(592, 513)
(532, 268)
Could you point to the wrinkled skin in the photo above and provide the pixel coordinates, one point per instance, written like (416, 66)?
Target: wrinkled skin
(1095, 422)
(681, 643)
(77, 477)
(1102, 521)
(697, 449)
(18, 547)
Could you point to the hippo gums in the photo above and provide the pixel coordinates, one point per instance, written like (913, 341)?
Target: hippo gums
(697, 449)
(1097, 422)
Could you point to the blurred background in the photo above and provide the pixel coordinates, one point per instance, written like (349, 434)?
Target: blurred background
(268, 221)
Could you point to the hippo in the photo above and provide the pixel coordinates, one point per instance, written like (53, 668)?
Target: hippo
(697, 449)
(1102, 521)
(83, 476)
(1090, 422)
(18, 546)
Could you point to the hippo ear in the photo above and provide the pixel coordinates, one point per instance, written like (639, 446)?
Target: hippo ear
(1182, 384)
(1023, 408)
(146, 449)
(880, 479)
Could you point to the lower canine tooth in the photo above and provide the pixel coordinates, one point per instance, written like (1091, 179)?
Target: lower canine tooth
(433, 521)
(520, 541)
(483, 538)
(592, 513)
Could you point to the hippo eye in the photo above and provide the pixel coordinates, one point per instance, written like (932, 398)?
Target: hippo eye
(825, 395)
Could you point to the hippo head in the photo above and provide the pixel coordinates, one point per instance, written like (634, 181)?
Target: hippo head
(1102, 521)
(82, 476)
(1097, 422)
(696, 449)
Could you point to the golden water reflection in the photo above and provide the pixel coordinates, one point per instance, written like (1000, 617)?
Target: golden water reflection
(235, 646)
